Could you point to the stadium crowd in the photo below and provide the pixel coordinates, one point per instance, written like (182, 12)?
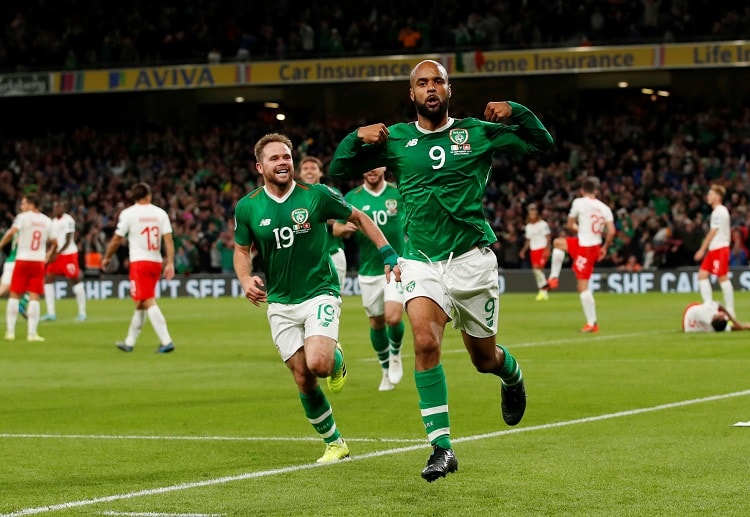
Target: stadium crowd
(655, 161)
(80, 34)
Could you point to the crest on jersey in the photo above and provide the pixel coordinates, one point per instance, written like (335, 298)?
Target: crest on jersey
(459, 136)
(460, 139)
(300, 215)
(391, 206)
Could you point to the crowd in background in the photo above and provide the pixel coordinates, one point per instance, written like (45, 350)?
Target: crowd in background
(655, 161)
(37, 34)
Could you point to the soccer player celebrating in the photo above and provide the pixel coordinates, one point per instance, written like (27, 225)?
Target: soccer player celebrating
(146, 227)
(714, 250)
(709, 317)
(537, 244)
(588, 218)
(441, 166)
(34, 240)
(286, 222)
(64, 263)
(383, 301)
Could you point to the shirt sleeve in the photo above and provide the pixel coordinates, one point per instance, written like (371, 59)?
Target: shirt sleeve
(352, 158)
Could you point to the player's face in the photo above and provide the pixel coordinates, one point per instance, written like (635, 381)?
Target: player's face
(533, 215)
(712, 198)
(277, 167)
(430, 91)
(309, 172)
(374, 178)
(58, 210)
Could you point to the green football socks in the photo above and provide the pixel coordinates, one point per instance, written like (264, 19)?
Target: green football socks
(510, 372)
(379, 340)
(320, 415)
(433, 404)
(396, 336)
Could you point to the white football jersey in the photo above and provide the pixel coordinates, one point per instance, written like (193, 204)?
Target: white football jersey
(720, 221)
(537, 233)
(33, 233)
(144, 225)
(698, 316)
(61, 227)
(592, 216)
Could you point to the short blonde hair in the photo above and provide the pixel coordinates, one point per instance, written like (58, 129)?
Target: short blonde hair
(267, 139)
(719, 189)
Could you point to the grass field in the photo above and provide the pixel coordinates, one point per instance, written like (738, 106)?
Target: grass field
(636, 420)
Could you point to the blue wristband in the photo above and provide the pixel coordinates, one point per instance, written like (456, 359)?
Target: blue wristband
(390, 257)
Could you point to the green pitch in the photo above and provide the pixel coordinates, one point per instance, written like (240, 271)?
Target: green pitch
(636, 420)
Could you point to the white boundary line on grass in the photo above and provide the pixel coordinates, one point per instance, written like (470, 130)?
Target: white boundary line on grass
(204, 438)
(155, 514)
(376, 454)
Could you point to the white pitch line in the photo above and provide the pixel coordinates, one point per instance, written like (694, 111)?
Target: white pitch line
(376, 454)
(156, 514)
(204, 438)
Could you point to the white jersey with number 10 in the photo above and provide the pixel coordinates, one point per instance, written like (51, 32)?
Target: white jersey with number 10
(144, 225)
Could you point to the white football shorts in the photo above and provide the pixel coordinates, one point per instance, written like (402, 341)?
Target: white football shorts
(7, 273)
(339, 261)
(465, 287)
(292, 323)
(375, 292)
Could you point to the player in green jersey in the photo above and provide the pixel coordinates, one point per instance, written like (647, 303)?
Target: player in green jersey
(311, 171)
(286, 222)
(383, 301)
(441, 166)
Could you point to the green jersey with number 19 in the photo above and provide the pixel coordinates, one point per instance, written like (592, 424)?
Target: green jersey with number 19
(442, 175)
(291, 236)
(386, 209)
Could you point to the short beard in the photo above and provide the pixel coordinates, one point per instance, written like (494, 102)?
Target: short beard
(433, 116)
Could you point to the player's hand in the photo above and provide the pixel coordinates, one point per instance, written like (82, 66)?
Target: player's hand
(497, 111)
(602, 254)
(396, 271)
(373, 134)
(698, 255)
(350, 228)
(169, 271)
(254, 290)
(105, 264)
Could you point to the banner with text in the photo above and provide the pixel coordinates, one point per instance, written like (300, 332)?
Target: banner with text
(510, 281)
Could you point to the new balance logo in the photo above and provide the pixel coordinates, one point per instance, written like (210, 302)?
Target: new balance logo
(265, 222)
(412, 142)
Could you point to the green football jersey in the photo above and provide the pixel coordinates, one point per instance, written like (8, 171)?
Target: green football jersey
(291, 236)
(386, 209)
(442, 175)
(334, 243)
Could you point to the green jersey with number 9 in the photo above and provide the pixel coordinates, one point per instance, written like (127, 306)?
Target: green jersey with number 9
(442, 175)
(291, 236)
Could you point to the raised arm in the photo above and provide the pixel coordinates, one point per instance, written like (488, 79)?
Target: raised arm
(360, 151)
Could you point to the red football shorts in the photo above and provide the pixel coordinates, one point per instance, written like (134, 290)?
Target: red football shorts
(28, 276)
(716, 262)
(144, 275)
(65, 265)
(584, 258)
(538, 258)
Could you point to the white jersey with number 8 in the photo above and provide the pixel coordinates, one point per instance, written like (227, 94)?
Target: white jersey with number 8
(144, 225)
(33, 233)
